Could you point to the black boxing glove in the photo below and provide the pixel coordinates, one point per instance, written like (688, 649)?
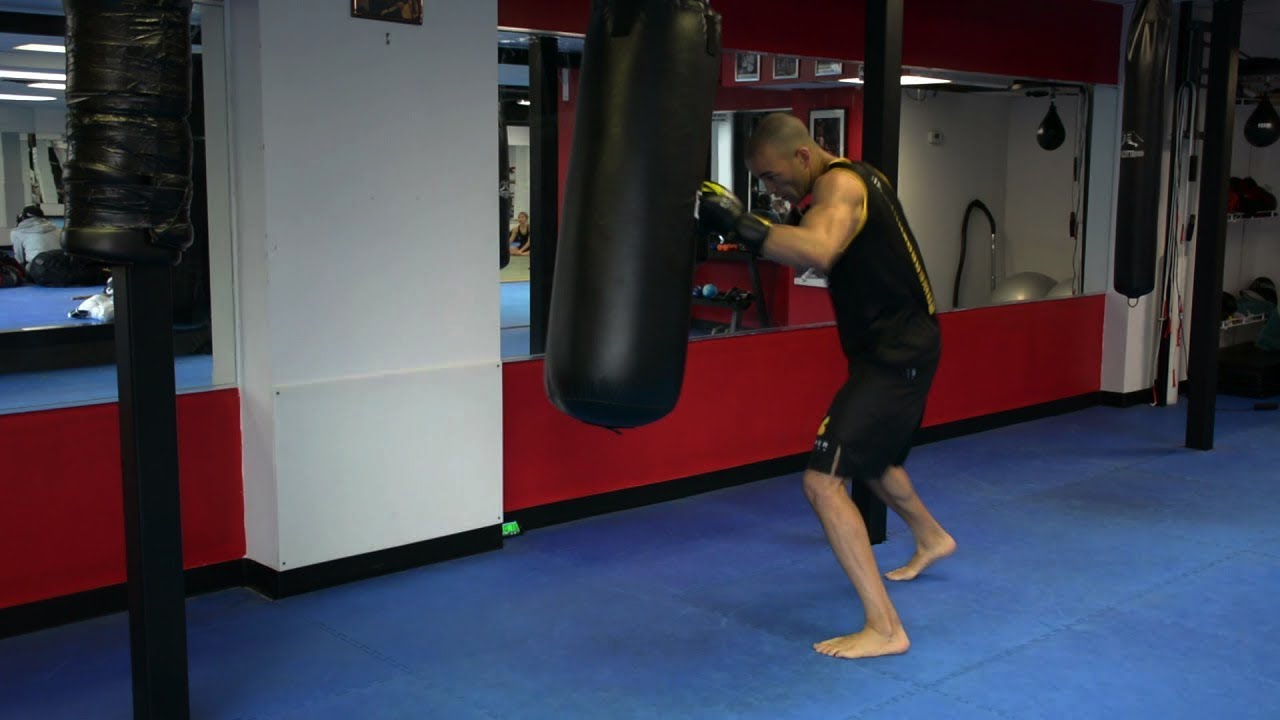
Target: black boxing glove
(720, 211)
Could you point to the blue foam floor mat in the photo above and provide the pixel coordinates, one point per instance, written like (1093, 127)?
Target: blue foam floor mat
(1103, 571)
(21, 392)
(32, 306)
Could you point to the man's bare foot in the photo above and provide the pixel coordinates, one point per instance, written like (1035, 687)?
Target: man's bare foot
(864, 644)
(925, 556)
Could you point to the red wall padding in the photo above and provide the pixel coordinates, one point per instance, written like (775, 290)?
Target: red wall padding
(1077, 40)
(62, 517)
(756, 397)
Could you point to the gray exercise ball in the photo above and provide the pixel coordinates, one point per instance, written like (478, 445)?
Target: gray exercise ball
(1022, 287)
(1063, 289)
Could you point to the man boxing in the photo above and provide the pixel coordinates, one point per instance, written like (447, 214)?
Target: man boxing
(848, 224)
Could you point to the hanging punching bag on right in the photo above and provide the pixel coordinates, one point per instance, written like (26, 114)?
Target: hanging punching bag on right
(1138, 209)
(618, 330)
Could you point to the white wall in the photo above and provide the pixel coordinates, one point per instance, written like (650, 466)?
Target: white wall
(1039, 194)
(518, 154)
(369, 340)
(13, 176)
(937, 182)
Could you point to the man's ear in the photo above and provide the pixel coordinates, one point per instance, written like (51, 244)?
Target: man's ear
(804, 156)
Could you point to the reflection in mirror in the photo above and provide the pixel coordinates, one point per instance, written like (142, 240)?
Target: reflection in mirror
(56, 311)
(992, 175)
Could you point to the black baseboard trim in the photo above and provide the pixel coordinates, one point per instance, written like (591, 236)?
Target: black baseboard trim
(281, 584)
(570, 510)
(972, 426)
(1124, 400)
(45, 614)
(577, 509)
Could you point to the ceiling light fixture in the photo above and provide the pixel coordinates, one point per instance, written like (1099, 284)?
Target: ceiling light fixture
(28, 75)
(48, 86)
(904, 81)
(26, 98)
(40, 47)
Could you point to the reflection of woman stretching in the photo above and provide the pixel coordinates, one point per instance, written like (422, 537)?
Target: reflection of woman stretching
(519, 237)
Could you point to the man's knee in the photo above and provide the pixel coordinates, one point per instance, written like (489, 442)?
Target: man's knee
(817, 484)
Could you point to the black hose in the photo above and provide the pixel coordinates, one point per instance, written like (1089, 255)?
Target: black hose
(964, 244)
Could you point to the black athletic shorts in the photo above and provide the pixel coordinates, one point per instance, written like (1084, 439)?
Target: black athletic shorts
(872, 420)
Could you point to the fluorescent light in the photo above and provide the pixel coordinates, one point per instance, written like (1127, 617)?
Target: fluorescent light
(37, 47)
(922, 80)
(523, 102)
(28, 98)
(905, 80)
(48, 86)
(28, 75)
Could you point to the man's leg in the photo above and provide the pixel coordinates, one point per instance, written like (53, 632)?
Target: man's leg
(882, 633)
(932, 541)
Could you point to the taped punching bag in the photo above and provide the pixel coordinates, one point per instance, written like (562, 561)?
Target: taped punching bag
(618, 329)
(1138, 209)
(504, 191)
(129, 145)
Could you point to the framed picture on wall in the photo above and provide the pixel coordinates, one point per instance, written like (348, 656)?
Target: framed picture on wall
(747, 67)
(827, 68)
(785, 68)
(400, 11)
(827, 129)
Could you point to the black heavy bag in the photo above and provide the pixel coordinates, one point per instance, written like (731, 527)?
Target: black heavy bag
(618, 329)
(128, 172)
(1138, 211)
(504, 191)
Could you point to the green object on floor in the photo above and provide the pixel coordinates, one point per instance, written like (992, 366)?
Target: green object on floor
(510, 528)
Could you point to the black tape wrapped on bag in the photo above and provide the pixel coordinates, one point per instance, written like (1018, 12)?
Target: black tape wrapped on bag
(618, 330)
(129, 155)
(1142, 143)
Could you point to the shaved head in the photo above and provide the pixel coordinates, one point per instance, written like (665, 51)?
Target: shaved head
(782, 132)
(781, 154)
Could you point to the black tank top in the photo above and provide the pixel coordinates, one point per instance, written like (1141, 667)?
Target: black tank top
(879, 288)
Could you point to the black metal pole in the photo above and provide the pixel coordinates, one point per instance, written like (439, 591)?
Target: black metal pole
(882, 83)
(149, 459)
(881, 117)
(544, 178)
(1211, 246)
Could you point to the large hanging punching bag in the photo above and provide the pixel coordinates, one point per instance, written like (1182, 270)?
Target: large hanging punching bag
(618, 329)
(504, 191)
(1138, 209)
(129, 143)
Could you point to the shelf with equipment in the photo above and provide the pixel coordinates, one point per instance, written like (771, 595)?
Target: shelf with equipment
(736, 305)
(1237, 321)
(1241, 217)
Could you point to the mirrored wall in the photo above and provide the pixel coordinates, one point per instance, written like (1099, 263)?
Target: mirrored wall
(57, 312)
(993, 174)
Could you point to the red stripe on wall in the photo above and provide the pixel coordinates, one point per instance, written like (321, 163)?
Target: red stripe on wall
(756, 397)
(62, 519)
(1076, 40)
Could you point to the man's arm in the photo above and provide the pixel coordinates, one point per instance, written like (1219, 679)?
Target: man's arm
(835, 218)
